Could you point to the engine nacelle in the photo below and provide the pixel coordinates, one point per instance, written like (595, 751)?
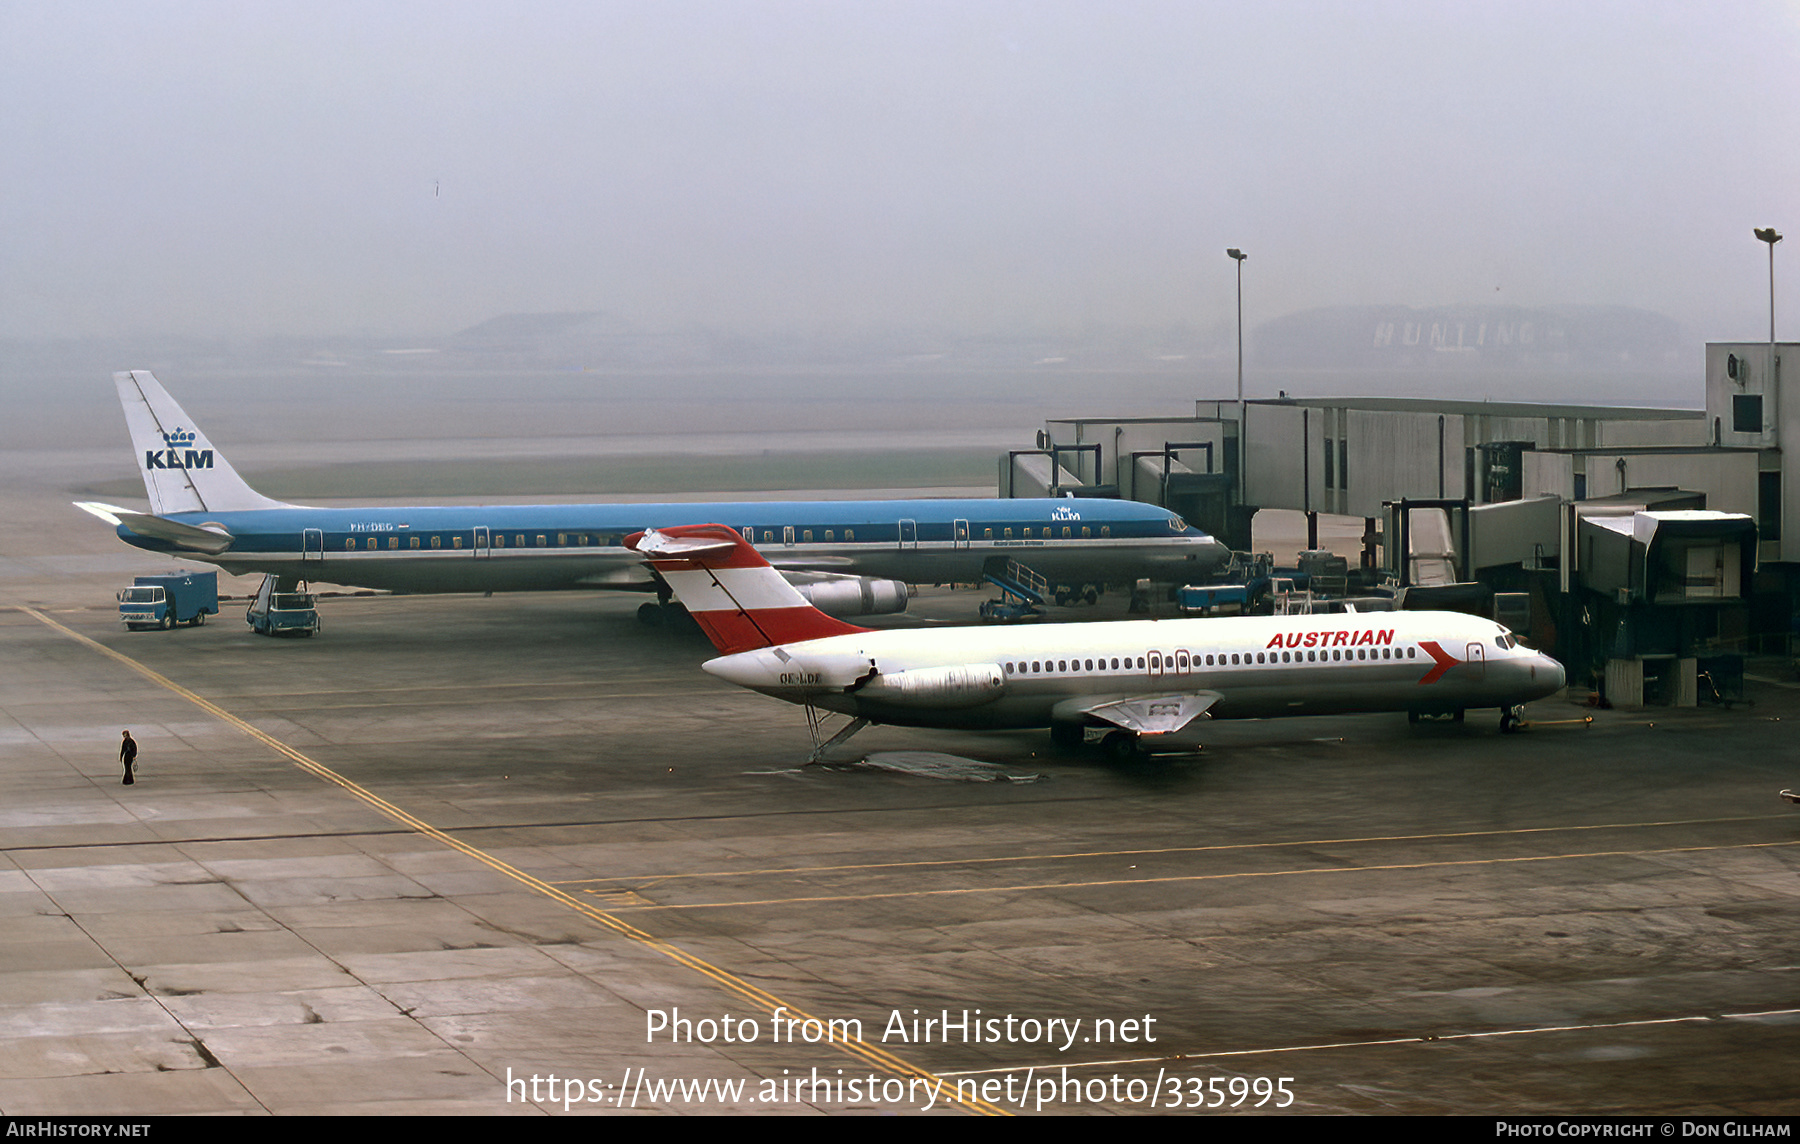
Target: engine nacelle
(960, 685)
(845, 596)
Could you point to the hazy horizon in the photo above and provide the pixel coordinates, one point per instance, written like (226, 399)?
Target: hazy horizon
(218, 170)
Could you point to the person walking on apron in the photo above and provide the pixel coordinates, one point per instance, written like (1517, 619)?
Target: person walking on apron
(128, 756)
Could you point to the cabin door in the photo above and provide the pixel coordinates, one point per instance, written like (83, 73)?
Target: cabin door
(909, 535)
(312, 545)
(481, 542)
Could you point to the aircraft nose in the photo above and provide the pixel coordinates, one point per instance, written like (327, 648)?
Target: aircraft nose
(1550, 673)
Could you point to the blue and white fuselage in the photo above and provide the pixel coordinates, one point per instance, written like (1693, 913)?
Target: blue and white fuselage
(523, 548)
(202, 510)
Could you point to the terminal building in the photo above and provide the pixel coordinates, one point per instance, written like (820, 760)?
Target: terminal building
(1649, 549)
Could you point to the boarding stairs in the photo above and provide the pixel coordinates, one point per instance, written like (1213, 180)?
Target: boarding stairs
(1022, 591)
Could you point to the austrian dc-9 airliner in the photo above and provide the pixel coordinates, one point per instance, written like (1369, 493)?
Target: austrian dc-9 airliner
(1131, 683)
(856, 556)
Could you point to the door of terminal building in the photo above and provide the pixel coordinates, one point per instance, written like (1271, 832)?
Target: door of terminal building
(312, 545)
(959, 534)
(909, 534)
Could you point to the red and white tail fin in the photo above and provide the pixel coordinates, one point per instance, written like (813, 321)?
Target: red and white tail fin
(739, 601)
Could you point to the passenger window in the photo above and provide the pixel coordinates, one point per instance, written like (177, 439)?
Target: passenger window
(807, 536)
(768, 536)
(1086, 532)
(543, 541)
(562, 540)
(1067, 533)
(415, 542)
(987, 534)
(350, 544)
(499, 540)
(1009, 534)
(1105, 530)
(456, 542)
(437, 541)
(371, 544)
(849, 534)
(828, 534)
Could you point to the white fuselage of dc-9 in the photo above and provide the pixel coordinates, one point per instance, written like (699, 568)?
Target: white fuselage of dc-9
(1131, 682)
(984, 678)
(202, 509)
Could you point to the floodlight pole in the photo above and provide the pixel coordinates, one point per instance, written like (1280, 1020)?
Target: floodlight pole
(1238, 257)
(1769, 235)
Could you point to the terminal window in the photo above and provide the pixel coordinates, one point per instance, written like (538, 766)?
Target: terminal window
(1746, 413)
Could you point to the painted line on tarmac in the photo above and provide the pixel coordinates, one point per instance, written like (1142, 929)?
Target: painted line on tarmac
(1429, 1038)
(1175, 879)
(870, 1054)
(925, 863)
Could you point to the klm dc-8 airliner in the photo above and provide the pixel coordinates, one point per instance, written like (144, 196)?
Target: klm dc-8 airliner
(200, 509)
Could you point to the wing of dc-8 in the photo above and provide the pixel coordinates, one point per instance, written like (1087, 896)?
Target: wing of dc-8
(1146, 714)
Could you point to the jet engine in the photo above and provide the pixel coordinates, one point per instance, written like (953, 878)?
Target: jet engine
(959, 685)
(845, 596)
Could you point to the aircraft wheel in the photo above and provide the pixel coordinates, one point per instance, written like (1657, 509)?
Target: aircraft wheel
(1457, 715)
(1091, 595)
(1062, 597)
(1413, 718)
(1510, 718)
(1120, 746)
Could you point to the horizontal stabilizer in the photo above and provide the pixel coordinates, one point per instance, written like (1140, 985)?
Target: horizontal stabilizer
(1153, 714)
(209, 541)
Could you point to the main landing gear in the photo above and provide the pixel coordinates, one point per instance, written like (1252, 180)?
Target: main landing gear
(664, 613)
(1116, 745)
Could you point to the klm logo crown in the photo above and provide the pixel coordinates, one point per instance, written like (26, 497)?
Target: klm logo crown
(178, 454)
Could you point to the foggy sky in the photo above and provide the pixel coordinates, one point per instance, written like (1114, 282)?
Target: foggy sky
(238, 169)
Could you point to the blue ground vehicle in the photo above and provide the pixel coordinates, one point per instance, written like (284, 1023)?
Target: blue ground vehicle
(162, 601)
(274, 613)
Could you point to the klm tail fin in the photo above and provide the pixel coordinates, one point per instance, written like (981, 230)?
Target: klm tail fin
(182, 470)
(739, 601)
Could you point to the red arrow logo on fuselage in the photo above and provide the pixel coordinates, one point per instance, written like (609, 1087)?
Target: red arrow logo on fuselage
(1444, 661)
